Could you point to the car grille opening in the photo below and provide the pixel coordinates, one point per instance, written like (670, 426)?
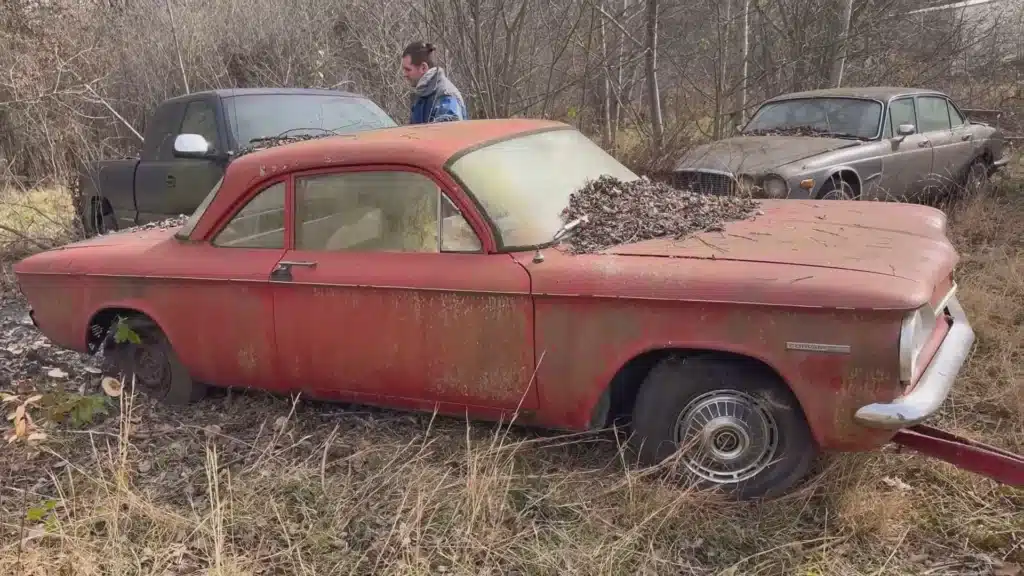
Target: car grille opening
(711, 183)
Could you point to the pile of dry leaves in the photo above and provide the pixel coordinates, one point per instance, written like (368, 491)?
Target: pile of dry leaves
(621, 212)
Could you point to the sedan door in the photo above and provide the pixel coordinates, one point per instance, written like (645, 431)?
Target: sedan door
(933, 114)
(908, 164)
(387, 297)
(221, 299)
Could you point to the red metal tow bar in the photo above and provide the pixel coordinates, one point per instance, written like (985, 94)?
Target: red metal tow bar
(995, 463)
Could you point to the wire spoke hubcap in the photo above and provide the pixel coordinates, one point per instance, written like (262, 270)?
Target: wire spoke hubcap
(727, 436)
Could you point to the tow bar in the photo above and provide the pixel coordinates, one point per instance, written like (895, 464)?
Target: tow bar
(995, 463)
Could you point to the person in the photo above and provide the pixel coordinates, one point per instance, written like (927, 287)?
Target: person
(435, 98)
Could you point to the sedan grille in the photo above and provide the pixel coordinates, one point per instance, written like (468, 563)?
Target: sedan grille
(712, 183)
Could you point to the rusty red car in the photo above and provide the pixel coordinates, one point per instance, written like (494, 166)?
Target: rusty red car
(425, 268)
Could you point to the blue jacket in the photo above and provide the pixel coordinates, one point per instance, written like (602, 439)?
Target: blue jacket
(437, 99)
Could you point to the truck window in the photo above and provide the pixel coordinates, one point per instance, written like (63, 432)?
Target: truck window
(200, 119)
(267, 115)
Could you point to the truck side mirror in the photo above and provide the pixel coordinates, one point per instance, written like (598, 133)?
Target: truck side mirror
(192, 146)
(905, 130)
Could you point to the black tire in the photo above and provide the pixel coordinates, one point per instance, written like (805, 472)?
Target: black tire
(765, 414)
(836, 189)
(157, 369)
(98, 221)
(976, 179)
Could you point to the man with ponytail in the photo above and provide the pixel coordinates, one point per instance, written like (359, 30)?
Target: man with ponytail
(435, 99)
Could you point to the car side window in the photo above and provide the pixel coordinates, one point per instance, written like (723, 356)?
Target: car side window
(378, 211)
(901, 112)
(934, 114)
(200, 119)
(259, 224)
(956, 119)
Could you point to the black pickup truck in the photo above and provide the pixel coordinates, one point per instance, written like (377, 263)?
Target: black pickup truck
(116, 194)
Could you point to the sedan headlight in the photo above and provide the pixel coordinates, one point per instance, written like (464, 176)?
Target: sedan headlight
(914, 335)
(775, 187)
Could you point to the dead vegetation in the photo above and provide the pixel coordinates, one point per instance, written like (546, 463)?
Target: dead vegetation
(619, 212)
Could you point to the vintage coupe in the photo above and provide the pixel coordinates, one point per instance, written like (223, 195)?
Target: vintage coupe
(418, 268)
(849, 143)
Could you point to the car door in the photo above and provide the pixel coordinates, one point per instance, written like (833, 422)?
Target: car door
(964, 145)
(223, 297)
(386, 297)
(179, 185)
(933, 115)
(908, 163)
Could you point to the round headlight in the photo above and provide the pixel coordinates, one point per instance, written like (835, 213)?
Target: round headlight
(775, 187)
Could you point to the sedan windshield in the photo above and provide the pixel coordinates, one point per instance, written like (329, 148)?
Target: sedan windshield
(524, 183)
(835, 117)
(268, 115)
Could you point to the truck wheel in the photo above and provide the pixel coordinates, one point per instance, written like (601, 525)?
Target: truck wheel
(158, 371)
(99, 220)
(737, 426)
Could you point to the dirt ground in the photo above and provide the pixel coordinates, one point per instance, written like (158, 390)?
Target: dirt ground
(249, 484)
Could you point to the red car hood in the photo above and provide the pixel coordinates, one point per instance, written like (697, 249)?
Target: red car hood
(902, 240)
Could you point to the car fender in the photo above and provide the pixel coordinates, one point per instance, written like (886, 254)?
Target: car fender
(134, 304)
(641, 348)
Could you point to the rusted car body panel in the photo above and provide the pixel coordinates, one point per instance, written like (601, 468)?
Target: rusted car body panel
(816, 291)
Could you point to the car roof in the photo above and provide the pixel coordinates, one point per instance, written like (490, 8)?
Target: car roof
(231, 92)
(426, 145)
(873, 92)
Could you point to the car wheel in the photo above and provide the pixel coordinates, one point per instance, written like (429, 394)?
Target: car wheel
(97, 222)
(977, 178)
(736, 427)
(836, 189)
(157, 369)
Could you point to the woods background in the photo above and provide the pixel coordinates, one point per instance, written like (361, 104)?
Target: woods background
(78, 78)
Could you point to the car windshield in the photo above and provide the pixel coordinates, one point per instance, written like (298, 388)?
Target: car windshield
(524, 183)
(267, 115)
(835, 117)
(185, 231)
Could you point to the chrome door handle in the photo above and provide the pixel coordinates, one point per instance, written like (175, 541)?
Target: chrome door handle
(290, 263)
(923, 144)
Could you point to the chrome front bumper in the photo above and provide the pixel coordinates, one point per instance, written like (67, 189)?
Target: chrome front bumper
(934, 385)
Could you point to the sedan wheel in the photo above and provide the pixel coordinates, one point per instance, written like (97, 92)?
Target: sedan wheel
(732, 424)
(836, 189)
(157, 370)
(977, 179)
(733, 437)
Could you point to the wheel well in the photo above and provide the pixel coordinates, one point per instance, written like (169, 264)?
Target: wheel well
(620, 396)
(101, 322)
(848, 176)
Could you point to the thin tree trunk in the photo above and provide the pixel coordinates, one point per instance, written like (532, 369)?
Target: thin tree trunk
(746, 62)
(606, 86)
(839, 61)
(653, 94)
